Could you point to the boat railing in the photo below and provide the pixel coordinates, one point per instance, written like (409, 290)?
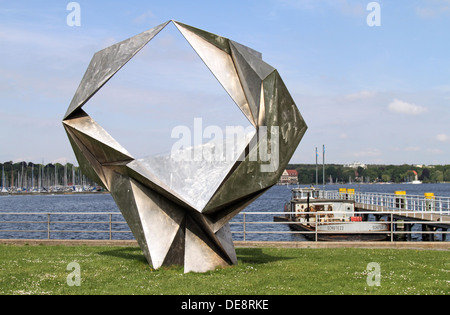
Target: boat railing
(246, 226)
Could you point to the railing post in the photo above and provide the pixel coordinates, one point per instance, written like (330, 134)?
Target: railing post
(244, 226)
(317, 228)
(110, 226)
(48, 226)
(392, 226)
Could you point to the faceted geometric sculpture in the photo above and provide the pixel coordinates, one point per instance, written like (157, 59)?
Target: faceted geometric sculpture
(185, 221)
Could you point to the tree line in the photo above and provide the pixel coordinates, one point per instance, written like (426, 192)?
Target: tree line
(28, 174)
(372, 173)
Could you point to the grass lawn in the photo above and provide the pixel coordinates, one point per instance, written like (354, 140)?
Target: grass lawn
(260, 271)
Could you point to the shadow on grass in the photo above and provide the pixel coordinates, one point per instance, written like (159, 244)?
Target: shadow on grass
(130, 253)
(244, 255)
(257, 256)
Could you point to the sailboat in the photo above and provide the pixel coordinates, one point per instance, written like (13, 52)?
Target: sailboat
(4, 190)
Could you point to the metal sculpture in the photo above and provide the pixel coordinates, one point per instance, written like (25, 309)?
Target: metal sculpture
(188, 224)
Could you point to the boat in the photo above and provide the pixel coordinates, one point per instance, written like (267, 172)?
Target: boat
(330, 219)
(416, 180)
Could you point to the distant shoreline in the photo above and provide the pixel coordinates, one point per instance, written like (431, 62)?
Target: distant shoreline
(54, 193)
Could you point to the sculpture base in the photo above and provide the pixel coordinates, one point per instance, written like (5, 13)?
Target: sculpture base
(169, 234)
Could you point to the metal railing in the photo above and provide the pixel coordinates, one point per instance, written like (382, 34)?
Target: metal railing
(49, 224)
(396, 227)
(246, 225)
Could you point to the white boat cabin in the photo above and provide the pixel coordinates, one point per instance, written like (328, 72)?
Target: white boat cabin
(304, 193)
(306, 203)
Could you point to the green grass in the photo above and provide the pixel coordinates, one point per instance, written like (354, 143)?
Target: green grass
(123, 270)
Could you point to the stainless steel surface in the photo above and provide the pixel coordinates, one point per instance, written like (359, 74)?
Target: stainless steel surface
(179, 210)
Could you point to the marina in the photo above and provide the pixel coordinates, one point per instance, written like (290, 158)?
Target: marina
(29, 178)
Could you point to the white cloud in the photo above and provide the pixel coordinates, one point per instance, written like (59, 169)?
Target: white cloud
(426, 13)
(145, 17)
(362, 95)
(443, 137)
(433, 9)
(401, 107)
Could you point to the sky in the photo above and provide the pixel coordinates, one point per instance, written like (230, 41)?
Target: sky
(375, 94)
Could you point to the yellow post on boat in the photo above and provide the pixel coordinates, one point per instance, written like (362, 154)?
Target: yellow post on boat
(429, 201)
(351, 193)
(342, 193)
(400, 199)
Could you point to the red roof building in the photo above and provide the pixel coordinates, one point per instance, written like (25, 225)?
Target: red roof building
(292, 173)
(289, 177)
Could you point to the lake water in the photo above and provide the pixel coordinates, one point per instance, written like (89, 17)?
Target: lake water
(272, 201)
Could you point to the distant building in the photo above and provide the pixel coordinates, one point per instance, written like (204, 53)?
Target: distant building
(356, 165)
(289, 177)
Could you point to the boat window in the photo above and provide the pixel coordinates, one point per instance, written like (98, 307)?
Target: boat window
(305, 193)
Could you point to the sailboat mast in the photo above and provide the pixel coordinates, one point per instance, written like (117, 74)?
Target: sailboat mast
(3, 178)
(323, 162)
(317, 170)
(65, 175)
